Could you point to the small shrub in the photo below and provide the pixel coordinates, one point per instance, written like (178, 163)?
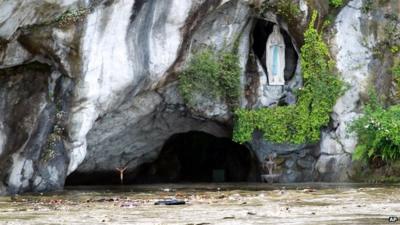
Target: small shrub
(336, 3)
(378, 132)
(212, 75)
(229, 76)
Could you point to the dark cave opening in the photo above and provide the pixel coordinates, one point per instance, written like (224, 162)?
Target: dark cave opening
(261, 32)
(186, 157)
(200, 157)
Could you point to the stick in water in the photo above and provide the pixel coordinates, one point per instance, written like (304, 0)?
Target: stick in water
(121, 173)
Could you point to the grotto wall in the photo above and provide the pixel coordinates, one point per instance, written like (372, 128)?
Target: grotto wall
(120, 58)
(91, 85)
(358, 34)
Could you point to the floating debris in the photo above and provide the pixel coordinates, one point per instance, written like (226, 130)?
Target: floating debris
(170, 202)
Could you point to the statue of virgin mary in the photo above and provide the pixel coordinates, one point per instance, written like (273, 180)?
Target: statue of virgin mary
(275, 51)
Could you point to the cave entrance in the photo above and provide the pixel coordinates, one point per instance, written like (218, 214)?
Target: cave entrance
(185, 157)
(261, 32)
(200, 157)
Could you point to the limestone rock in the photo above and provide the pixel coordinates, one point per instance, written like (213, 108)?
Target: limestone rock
(352, 59)
(306, 163)
(27, 122)
(13, 54)
(290, 176)
(120, 107)
(352, 47)
(334, 168)
(20, 13)
(330, 146)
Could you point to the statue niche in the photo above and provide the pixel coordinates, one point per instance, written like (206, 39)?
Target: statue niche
(275, 51)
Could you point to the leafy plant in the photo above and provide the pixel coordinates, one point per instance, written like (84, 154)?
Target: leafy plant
(336, 3)
(229, 75)
(300, 123)
(378, 132)
(212, 75)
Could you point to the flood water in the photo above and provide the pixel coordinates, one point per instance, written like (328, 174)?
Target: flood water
(239, 203)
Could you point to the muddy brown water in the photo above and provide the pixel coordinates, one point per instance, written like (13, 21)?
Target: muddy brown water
(243, 203)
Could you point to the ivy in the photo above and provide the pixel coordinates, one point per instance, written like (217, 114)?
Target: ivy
(211, 75)
(314, 52)
(300, 123)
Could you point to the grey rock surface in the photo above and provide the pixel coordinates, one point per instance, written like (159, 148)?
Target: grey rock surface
(32, 154)
(352, 46)
(20, 13)
(120, 109)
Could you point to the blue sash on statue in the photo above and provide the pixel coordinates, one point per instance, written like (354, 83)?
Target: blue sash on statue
(275, 58)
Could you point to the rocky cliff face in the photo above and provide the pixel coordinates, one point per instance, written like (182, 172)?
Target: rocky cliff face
(88, 86)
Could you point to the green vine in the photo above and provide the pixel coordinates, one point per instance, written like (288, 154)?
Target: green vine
(300, 123)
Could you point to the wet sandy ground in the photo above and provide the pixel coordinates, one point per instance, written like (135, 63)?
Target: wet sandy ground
(207, 204)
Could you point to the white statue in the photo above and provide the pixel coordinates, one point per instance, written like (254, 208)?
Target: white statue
(275, 57)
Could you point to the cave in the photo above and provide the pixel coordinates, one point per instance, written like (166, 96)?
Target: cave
(186, 157)
(200, 157)
(261, 31)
